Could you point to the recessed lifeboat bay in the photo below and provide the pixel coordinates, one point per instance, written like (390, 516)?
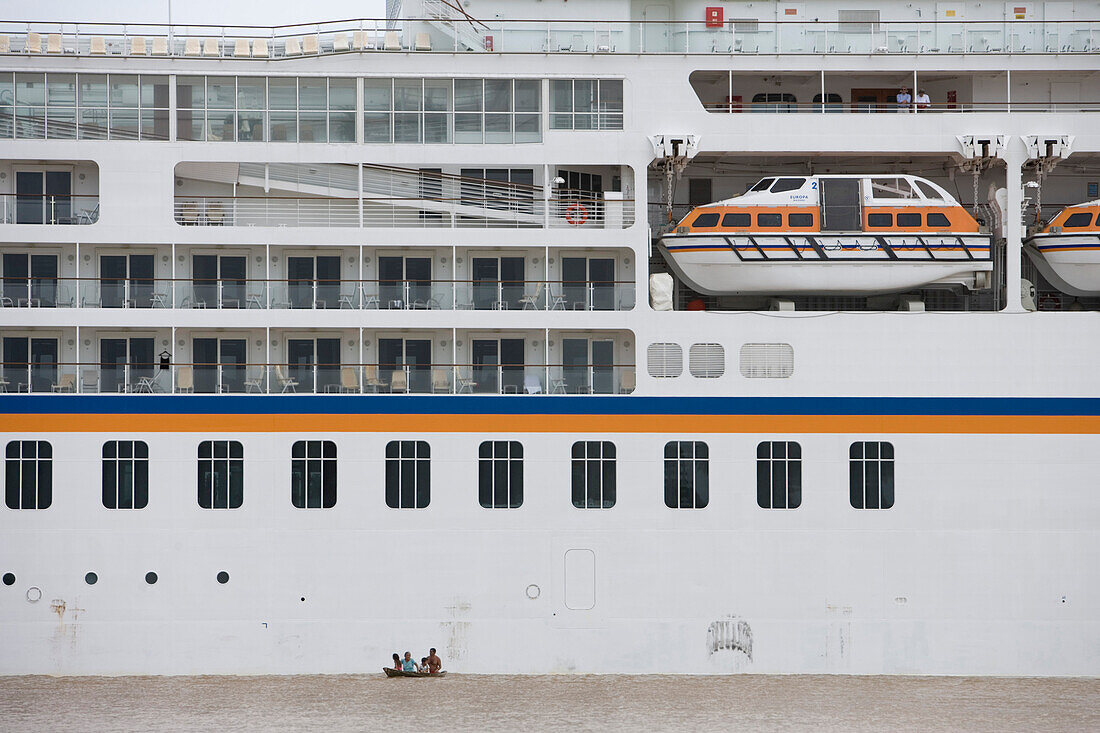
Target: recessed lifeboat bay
(830, 235)
(1067, 249)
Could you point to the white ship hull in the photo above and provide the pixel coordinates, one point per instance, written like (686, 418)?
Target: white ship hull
(1070, 262)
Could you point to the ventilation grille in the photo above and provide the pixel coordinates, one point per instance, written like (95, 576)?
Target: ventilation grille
(707, 361)
(767, 361)
(746, 25)
(858, 21)
(665, 360)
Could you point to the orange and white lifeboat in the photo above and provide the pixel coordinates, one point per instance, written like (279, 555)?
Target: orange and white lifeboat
(830, 235)
(1067, 250)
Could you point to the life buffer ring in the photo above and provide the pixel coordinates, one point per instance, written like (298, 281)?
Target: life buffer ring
(576, 214)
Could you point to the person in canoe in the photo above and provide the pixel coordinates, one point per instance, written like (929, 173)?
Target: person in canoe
(397, 661)
(434, 663)
(409, 664)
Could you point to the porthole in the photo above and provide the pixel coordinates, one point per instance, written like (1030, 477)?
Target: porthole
(223, 577)
(9, 578)
(533, 591)
(91, 578)
(34, 594)
(150, 578)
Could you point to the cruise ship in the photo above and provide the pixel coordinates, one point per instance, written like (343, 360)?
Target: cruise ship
(565, 337)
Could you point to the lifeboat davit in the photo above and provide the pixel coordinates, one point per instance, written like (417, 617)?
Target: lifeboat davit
(830, 235)
(1067, 250)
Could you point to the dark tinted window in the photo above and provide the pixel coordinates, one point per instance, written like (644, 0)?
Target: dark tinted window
(908, 220)
(221, 474)
(769, 220)
(408, 474)
(778, 475)
(800, 220)
(871, 475)
(687, 475)
(1080, 219)
(880, 220)
(313, 474)
(125, 474)
(593, 474)
(787, 184)
(936, 219)
(705, 220)
(737, 220)
(500, 474)
(763, 185)
(28, 480)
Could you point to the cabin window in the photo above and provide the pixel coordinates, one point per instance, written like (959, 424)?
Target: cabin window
(665, 360)
(892, 188)
(938, 219)
(779, 475)
(221, 474)
(593, 474)
(705, 220)
(774, 102)
(737, 220)
(125, 474)
(707, 361)
(408, 474)
(880, 220)
(687, 474)
(908, 220)
(500, 474)
(586, 104)
(769, 221)
(1080, 219)
(928, 191)
(28, 480)
(313, 474)
(767, 361)
(763, 185)
(871, 475)
(788, 184)
(800, 220)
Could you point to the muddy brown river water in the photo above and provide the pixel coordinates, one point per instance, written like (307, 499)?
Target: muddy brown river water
(514, 703)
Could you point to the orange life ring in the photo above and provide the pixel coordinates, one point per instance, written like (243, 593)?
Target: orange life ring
(582, 214)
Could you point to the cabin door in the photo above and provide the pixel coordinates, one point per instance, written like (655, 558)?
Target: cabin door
(840, 211)
(656, 32)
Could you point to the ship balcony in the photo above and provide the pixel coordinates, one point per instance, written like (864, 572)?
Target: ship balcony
(49, 192)
(318, 361)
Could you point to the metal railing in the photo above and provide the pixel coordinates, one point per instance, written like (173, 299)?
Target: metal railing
(49, 209)
(569, 212)
(288, 294)
(893, 107)
(287, 378)
(448, 32)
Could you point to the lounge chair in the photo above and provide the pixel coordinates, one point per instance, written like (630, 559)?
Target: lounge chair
(89, 382)
(242, 49)
(137, 46)
(97, 46)
(255, 384)
(211, 48)
(259, 48)
(160, 46)
(67, 383)
(309, 45)
(398, 381)
(33, 44)
(422, 42)
(185, 379)
(340, 43)
(370, 378)
(391, 41)
(441, 381)
(292, 47)
(286, 383)
(348, 381)
(53, 43)
(191, 47)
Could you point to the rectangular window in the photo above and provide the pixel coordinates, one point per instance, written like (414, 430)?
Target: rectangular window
(593, 474)
(800, 220)
(778, 475)
(28, 474)
(408, 474)
(871, 475)
(313, 474)
(500, 474)
(125, 474)
(737, 220)
(687, 475)
(586, 104)
(880, 220)
(221, 474)
(769, 221)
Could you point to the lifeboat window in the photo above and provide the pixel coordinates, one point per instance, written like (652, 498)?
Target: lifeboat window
(705, 220)
(892, 188)
(1080, 219)
(937, 219)
(788, 184)
(771, 221)
(737, 220)
(800, 220)
(908, 220)
(928, 191)
(880, 220)
(763, 185)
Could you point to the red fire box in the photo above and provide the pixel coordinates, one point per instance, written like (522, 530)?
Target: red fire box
(714, 17)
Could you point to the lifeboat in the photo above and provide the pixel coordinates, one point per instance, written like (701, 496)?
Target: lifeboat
(1067, 250)
(830, 235)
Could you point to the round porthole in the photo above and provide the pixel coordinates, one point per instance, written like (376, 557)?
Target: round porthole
(533, 591)
(150, 578)
(34, 594)
(223, 577)
(91, 578)
(9, 578)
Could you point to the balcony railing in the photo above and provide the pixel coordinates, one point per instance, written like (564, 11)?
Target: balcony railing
(283, 378)
(45, 209)
(431, 213)
(452, 34)
(553, 295)
(891, 107)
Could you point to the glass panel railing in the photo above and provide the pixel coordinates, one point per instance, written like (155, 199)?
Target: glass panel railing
(43, 209)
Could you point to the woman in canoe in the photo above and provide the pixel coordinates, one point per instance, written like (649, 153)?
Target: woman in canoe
(396, 661)
(409, 664)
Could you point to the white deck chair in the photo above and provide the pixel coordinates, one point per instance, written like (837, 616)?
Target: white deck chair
(309, 45)
(191, 47)
(67, 383)
(53, 43)
(89, 381)
(441, 382)
(210, 47)
(399, 382)
(370, 378)
(359, 40)
(97, 46)
(259, 48)
(627, 382)
(33, 43)
(160, 46)
(241, 49)
(255, 384)
(185, 379)
(287, 383)
(348, 380)
(5, 44)
(391, 42)
(423, 42)
(292, 47)
(340, 43)
(137, 46)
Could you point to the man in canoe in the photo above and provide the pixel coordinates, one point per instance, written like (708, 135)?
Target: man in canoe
(434, 662)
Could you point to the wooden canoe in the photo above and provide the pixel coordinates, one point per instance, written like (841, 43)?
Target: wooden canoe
(390, 672)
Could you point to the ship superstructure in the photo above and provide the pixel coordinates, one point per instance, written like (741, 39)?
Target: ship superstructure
(602, 331)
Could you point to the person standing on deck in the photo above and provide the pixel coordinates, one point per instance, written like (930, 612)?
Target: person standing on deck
(904, 100)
